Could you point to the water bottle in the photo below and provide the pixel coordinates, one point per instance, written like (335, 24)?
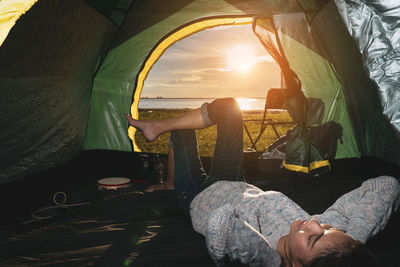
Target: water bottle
(145, 165)
(159, 170)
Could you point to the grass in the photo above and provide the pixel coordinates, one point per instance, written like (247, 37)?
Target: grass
(206, 137)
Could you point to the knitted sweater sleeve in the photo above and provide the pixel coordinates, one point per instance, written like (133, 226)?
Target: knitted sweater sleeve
(227, 236)
(365, 211)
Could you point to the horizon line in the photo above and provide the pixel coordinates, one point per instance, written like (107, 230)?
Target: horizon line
(145, 97)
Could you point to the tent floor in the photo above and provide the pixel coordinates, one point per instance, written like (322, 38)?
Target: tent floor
(134, 227)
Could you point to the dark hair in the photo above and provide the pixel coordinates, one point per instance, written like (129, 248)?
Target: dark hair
(351, 253)
(357, 255)
(284, 263)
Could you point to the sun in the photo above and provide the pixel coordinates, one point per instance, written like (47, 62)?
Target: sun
(240, 58)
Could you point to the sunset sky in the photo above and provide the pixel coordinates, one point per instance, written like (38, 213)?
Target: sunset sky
(217, 62)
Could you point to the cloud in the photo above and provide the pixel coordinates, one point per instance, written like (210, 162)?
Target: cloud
(265, 58)
(199, 71)
(196, 66)
(189, 78)
(179, 53)
(213, 41)
(186, 80)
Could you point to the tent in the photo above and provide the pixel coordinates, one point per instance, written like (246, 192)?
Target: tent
(70, 70)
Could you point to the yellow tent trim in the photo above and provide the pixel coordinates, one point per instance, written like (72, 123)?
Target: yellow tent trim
(313, 165)
(318, 164)
(10, 12)
(164, 45)
(296, 168)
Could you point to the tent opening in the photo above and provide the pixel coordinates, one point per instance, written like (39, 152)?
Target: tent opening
(223, 61)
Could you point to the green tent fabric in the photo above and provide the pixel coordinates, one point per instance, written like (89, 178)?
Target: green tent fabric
(117, 77)
(48, 61)
(71, 69)
(302, 151)
(115, 10)
(373, 133)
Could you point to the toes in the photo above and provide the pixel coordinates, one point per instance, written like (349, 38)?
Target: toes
(130, 119)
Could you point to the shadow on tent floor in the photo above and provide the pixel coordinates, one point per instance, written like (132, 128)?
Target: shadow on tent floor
(134, 227)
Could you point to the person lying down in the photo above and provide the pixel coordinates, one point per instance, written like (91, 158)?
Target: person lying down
(242, 223)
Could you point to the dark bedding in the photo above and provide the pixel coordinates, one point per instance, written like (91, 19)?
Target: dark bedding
(134, 227)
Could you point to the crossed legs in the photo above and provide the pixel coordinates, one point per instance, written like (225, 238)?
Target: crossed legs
(189, 175)
(152, 129)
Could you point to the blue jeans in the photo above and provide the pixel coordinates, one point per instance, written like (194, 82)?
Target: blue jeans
(227, 162)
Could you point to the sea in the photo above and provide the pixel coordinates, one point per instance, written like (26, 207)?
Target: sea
(191, 103)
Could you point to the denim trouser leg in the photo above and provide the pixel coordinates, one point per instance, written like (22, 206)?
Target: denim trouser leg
(190, 177)
(227, 163)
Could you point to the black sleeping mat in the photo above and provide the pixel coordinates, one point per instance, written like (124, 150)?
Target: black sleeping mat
(134, 227)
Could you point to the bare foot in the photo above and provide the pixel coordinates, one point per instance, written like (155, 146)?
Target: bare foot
(148, 128)
(163, 186)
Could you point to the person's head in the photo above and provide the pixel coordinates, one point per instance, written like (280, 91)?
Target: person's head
(310, 240)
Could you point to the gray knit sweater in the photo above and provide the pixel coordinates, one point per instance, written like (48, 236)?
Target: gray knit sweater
(244, 223)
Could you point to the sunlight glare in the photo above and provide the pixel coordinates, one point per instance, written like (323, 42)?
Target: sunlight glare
(245, 103)
(240, 57)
